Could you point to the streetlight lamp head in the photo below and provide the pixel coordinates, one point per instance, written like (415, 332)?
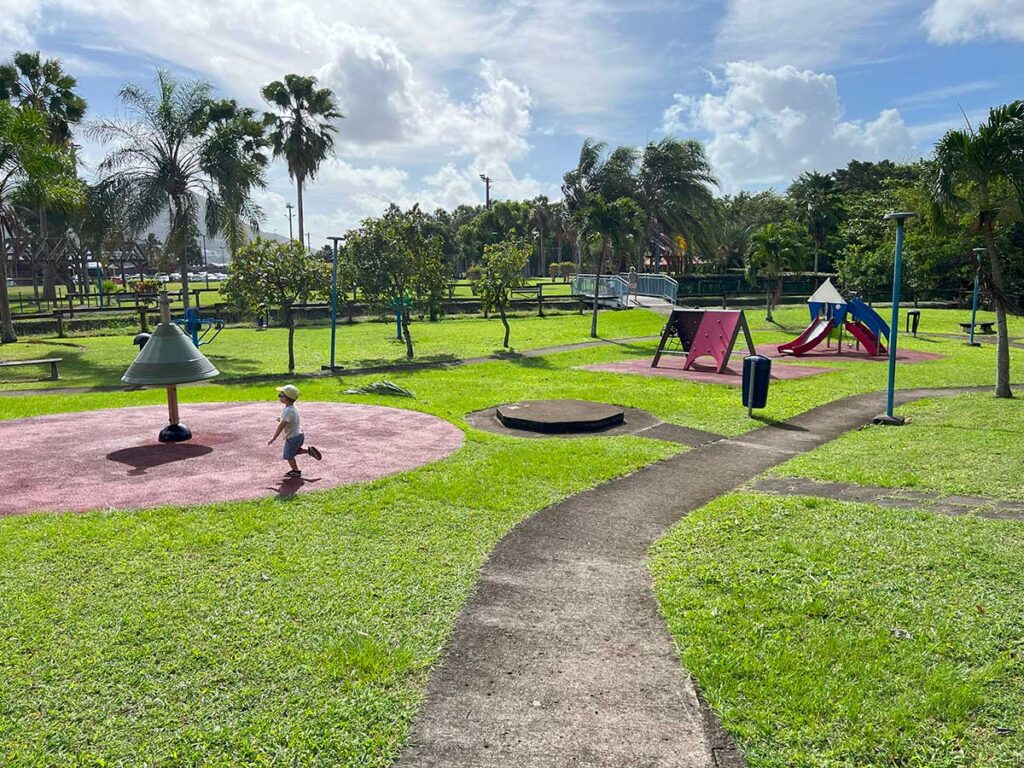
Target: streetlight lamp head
(899, 216)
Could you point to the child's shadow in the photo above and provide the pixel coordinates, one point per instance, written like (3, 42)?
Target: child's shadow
(289, 486)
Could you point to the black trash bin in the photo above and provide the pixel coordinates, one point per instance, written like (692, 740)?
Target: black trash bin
(757, 370)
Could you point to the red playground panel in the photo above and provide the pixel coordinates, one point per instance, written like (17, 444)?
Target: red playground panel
(716, 337)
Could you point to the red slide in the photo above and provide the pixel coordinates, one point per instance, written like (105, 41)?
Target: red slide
(812, 336)
(867, 339)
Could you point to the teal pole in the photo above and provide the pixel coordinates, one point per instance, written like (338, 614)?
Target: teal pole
(334, 301)
(897, 276)
(974, 301)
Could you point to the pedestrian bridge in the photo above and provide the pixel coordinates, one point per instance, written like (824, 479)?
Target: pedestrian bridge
(615, 290)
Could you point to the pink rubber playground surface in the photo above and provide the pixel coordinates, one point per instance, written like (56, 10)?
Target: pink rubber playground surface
(75, 462)
(783, 367)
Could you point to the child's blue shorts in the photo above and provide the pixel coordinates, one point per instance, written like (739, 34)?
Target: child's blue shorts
(292, 445)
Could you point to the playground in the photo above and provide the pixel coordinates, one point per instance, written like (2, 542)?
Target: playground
(195, 584)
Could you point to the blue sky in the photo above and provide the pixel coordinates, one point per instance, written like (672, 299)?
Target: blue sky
(437, 92)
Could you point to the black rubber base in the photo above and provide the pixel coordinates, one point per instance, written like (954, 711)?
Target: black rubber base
(889, 421)
(175, 433)
(560, 416)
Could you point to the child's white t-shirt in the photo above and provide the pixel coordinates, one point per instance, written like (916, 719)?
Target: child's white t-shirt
(290, 416)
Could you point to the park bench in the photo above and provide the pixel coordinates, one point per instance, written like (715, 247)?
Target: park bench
(985, 328)
(52, 361)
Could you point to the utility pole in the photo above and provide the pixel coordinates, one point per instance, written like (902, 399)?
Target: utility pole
(487, 188)
(308, 246)
(289, 206)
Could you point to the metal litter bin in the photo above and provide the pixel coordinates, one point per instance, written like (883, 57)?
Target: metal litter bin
(757, 371)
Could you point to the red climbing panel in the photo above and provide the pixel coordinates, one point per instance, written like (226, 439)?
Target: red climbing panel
(716, 337)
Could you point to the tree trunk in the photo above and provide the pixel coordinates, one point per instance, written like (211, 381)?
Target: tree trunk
(298, 194)
(558, 254)
(999, 298)
(817, 248)
(504, 321)
(7, 334)
(405, 332)
(597, 286)
(290, 319)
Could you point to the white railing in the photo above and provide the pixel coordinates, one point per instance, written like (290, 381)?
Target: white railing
(609, 287)
(651, 284)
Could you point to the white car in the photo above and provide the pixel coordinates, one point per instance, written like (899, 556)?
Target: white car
(162, 277)
(10, 282)
(175, 277)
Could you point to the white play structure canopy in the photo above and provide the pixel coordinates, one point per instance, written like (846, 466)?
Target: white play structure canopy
(826, 294)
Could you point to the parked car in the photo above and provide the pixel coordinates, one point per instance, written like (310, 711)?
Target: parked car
(10, 282)
(175, 277)
(162, 277)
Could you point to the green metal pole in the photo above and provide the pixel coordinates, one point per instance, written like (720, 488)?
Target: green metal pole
(897, 275)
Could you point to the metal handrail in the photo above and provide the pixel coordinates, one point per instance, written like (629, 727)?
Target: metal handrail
(612, 287)
(653, 284)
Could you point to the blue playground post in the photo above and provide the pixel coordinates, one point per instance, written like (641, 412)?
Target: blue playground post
(897, 276)
(974, 302)
(399, 304)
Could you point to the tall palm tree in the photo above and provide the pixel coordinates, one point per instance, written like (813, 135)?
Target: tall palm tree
(303, 131)
(234, 158)
(28, 158)
(541, 224)
(971, 165)
(817, 207)
(674, 189)
(159, 157)
(29, 80)
(615, 225)
(772, 250)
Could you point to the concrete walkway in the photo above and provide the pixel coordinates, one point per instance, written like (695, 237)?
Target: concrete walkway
(561, 657)
(900, 498)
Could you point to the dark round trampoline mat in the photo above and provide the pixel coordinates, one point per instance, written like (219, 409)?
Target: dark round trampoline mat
(561, 418)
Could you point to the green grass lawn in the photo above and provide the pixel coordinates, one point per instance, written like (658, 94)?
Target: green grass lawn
(301, 632)
(835, 634)
(241, 352)
(264, 632)
(969, 444)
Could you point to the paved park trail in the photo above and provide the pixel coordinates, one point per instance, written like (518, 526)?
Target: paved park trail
(561, 657)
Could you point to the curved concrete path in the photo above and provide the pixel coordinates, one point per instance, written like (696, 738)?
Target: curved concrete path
(561, 657)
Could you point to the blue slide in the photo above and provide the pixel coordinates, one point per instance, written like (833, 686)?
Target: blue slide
(870, 318)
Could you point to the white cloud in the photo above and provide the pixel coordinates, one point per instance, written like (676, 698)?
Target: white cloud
(804, 33)
(960, 21)
(768, 125)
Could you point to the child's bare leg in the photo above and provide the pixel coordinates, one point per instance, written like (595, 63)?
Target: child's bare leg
(293, 465)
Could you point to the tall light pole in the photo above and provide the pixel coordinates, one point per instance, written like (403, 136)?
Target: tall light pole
(487, 188)
(289, 206)
(894, 325)
(334, 303)
(206, 262)
(308, 246)
(978, 253)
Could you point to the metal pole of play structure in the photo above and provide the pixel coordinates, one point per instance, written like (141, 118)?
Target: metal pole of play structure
(978, 252)
(897, 275)
(172, 389)
(334, 301)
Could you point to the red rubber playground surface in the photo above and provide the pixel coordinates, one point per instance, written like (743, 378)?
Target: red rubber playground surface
(74, 462)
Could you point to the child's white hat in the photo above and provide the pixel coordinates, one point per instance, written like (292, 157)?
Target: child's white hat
(290, 391)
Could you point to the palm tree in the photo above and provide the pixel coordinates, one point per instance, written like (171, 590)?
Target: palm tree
(615, 225)
(28, 158)
(180, 146)
(674, 190)
(159, 158)
(817, 207)
(30, 81)
(302, 133)
(773, 250)
(540, 222)
(972, 165)
(234, 159)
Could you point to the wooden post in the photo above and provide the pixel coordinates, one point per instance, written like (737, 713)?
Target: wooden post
(60, 323)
